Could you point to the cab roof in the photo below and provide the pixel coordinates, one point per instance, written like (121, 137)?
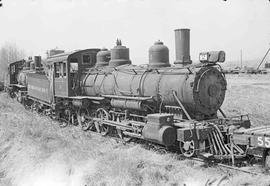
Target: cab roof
(64, 56)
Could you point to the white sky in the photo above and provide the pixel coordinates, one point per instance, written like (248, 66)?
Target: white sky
(39, 25)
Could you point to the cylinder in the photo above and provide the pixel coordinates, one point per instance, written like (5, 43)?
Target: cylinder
(119, 55)
(182, 46)
(37, 61)
(159, 129)
(103, 57)
(158, 55)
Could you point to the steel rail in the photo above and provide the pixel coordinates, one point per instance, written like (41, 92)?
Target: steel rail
(229, 167)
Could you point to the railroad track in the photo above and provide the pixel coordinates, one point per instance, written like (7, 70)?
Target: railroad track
(229, 167)
(163, 150)
(209, 163)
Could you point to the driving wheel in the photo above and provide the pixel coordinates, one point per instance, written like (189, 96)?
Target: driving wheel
(102, 114)
(187, 148)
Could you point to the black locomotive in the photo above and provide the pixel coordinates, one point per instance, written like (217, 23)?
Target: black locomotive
(100, 90)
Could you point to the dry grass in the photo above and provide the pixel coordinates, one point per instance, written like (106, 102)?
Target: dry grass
(249, 94)
(34, 151)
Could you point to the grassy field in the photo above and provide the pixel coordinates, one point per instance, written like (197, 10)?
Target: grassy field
(248, 94)
(34, 151)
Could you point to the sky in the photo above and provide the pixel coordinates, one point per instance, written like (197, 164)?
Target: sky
(39, 25)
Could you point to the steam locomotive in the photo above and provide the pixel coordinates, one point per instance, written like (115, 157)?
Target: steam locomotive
(171, 105)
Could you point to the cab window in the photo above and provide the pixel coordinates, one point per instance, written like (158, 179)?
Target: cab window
(73, 67)
(86, 59)
(60, 70)
(57, 70)
(64, 69)
(89, 59)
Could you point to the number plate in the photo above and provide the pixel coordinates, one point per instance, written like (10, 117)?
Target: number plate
(203, 57)
(263, 141)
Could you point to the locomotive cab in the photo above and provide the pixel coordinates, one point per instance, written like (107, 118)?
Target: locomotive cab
(66, 69)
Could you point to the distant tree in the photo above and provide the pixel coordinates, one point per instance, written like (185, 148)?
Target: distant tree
(9, 52)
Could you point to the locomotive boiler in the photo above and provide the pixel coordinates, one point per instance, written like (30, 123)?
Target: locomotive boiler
(200, 88)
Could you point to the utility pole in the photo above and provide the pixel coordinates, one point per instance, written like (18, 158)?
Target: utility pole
(241, 58)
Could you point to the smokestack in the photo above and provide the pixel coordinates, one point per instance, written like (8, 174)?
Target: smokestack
(37, 62)
(182, 46)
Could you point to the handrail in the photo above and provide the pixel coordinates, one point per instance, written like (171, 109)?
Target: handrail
(128, 97)
(182, 106)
